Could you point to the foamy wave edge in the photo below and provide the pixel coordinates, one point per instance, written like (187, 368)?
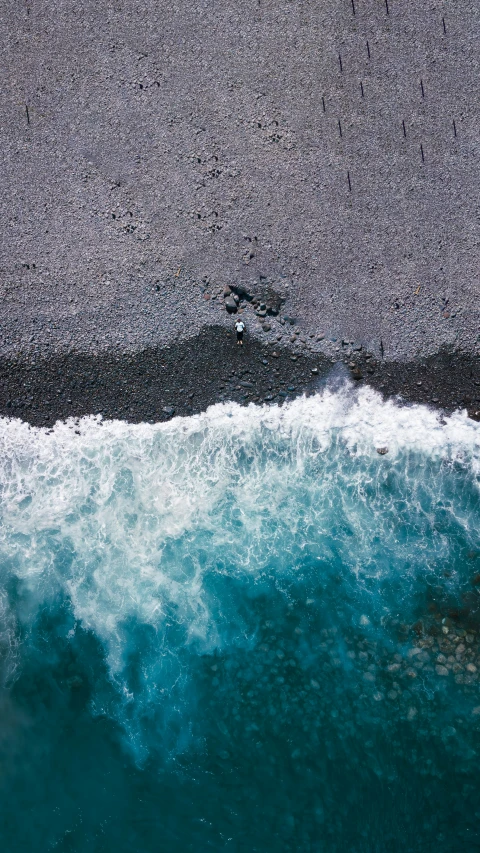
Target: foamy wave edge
(365, 421)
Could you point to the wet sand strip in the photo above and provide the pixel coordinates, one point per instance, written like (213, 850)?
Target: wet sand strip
(186, 377)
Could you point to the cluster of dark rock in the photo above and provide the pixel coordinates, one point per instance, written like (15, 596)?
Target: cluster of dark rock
(264, 299)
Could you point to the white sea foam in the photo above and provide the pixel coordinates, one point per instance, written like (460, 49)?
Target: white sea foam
(128, 520)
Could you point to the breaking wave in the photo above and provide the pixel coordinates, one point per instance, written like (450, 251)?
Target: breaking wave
(263, 624)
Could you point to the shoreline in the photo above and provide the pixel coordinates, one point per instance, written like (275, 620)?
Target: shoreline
(154, 184)
(184, 378)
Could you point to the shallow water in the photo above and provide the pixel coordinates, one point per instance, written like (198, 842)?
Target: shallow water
(244, 630)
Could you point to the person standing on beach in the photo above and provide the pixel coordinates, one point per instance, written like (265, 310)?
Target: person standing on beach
(240, 328)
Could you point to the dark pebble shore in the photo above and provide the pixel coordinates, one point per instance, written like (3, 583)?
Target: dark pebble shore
(184, 378)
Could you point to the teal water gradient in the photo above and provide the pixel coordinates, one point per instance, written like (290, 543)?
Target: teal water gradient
(244, 631)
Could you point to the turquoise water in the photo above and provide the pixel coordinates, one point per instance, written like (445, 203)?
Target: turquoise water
(245, 630)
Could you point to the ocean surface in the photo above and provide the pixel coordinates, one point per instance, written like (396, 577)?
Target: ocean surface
(246, 630)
